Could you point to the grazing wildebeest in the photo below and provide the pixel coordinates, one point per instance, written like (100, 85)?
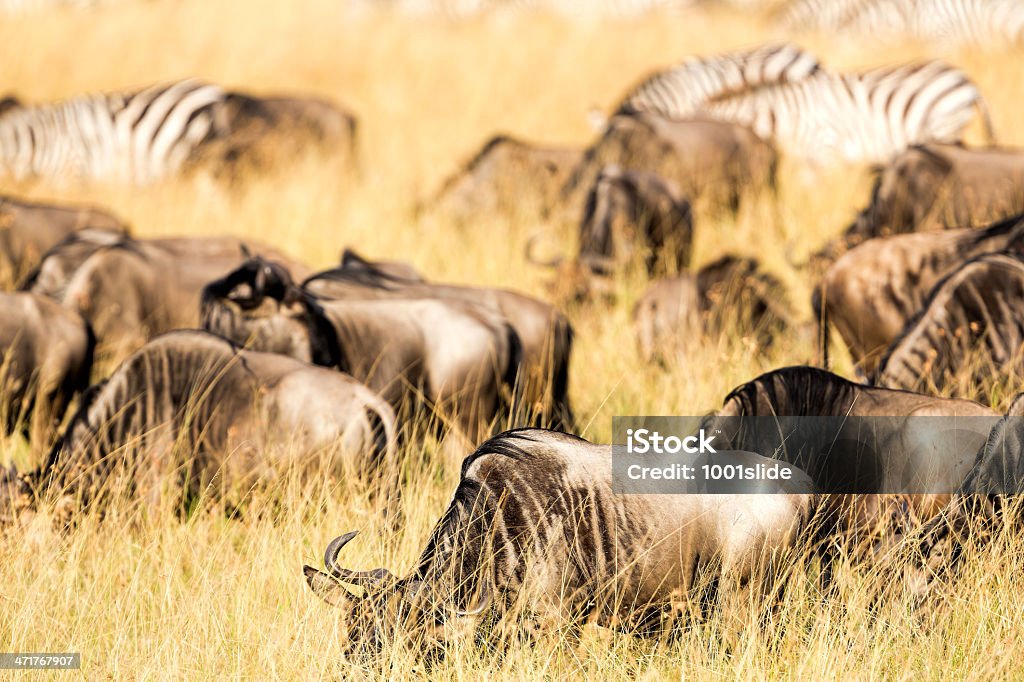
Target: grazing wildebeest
(455, 356)
(535, 525)
(507, 176)
(630, 216)
(939, 187)
(679, 311)
(712, 163)
(30, 229)
(832, 455)
(976, 510)
(263, 130)
(189, 409)
(545, 334)
(130, 290)
(972, 324)
(45, 358)
(874, 290)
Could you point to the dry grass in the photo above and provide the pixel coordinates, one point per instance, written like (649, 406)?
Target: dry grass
(151, 596)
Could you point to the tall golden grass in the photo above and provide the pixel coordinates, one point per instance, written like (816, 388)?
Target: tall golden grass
(146, 594)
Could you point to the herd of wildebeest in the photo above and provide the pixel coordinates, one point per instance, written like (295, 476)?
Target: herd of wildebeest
(231, 359)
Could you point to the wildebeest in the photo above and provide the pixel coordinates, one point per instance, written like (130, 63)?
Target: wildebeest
(130, 290)
(729, 291)
(46, 355)
(905, 448)
(713, 163)
(457, 357)
(264, 130)
(996, 478)
(29, 229)
(972, 324)
(507, 176)
(630, 216)
(545, 334)
(939, 187)
(535, 525)
(874, 290)
(189, 410)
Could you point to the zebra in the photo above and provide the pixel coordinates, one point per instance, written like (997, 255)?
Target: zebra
(976, 22)
(23, 6)
(821, 15)
(680, 91)
(139, 136)
(863, 117)
(617, 9)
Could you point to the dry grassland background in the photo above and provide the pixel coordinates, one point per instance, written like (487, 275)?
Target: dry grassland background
(151, 596)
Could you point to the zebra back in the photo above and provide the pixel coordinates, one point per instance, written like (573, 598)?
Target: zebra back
(679, 92)
(860, 117)
(139, 136)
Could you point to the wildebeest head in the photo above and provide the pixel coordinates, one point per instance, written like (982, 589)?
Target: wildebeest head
(59, 264)
(379, 607)
(629, 216)
(903, 193)
(259, 306)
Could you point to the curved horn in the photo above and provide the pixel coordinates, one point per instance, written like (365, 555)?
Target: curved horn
(244, 248)
(331, 563)
(530, 243)
(259, 283)
(485, 601)
(790, 256)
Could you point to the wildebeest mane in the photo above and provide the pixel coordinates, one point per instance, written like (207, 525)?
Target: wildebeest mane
(472, 513)
(156, 385)
(363, 278)
(805, 391)
(1013, 225)
(326, 348)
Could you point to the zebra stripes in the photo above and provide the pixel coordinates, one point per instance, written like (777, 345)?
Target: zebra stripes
(457, 9)
(976, 22)
(680, 91)
(139, 137)
(21, 6)
(865, 117)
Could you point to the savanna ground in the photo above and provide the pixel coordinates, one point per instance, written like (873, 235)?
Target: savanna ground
(149, 595)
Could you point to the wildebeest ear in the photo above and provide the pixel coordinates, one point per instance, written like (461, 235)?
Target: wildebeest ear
(1016, 407)
(246, 253)
(350, 258)
(9, 102)
(326, 587)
